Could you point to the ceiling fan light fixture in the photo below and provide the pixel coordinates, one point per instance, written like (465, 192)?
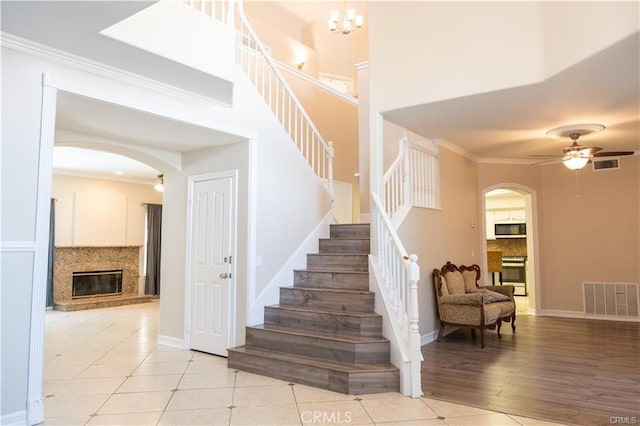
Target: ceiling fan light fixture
(158, 184)
(575, 163)
(574, 129)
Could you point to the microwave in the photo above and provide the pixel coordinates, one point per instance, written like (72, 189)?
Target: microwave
(511, 230)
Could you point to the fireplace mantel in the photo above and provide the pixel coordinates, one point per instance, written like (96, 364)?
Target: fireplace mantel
(70, 259)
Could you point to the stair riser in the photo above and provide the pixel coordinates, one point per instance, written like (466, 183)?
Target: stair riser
(319, 279)
(336, 381)
(332, 350)
(328, 300)
(370, 326)
(350, 231)
(347, 262)
(345, 246)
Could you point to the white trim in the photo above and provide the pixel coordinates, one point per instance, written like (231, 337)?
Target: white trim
(35, 407)
(456, 149)
(18, 418)
(317, 83)
(252, 250)
(171, 342)
(269, 295)
(533, 221)
(433, 335)
(362, 65)
(17, 246)
(581, 315)
(77, 62)
(233, 236)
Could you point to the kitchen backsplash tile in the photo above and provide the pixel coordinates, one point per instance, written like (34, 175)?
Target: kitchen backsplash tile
(509, 246)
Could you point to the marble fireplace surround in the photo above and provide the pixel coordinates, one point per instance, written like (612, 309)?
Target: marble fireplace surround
(70, 259)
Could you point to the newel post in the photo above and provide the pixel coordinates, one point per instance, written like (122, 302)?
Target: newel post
(330, 154)
(406, 171)
(415, 353)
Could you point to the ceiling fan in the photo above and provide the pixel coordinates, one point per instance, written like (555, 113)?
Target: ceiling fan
(576, 156)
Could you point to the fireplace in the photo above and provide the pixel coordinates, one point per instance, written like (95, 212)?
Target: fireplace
(88, 277)
(96, 283)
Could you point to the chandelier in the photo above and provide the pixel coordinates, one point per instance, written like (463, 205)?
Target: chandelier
(351, 22)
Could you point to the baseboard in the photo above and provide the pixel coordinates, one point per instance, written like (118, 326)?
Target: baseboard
(433, 336)
(171, 341)
(18, 418)
(582, 315)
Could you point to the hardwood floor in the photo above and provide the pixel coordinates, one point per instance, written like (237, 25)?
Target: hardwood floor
(572, 371)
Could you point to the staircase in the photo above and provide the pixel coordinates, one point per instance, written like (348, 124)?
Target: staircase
(324, 332)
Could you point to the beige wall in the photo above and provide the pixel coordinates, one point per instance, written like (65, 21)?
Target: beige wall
(337, 121)
(587, 229)
(70, 216)
(438, 236)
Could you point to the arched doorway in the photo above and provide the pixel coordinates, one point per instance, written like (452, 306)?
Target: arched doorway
(511, 229)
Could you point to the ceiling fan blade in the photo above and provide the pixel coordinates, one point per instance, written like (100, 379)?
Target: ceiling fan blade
(544, 161)
(613, 153)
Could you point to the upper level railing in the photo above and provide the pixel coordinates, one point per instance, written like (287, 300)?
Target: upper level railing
(412, 180)
(263, 73)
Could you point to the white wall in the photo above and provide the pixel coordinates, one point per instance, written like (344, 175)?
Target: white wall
(286, 211)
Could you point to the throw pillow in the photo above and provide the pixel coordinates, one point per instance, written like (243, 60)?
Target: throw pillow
(455, 282)
(444, 289)
(489, 296)
(470, 281)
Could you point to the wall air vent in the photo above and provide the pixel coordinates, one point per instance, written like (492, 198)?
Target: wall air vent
(606, 164)
(610, 299)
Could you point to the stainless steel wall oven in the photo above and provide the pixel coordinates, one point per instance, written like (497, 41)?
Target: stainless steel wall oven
(514, 271)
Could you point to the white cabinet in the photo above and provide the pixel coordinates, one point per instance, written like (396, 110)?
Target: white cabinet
(491, 231)
(509, 215)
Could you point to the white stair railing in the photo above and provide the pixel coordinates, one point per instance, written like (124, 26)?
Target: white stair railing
(262, 71)
(399, 275)
(412, 180)
(264, 75)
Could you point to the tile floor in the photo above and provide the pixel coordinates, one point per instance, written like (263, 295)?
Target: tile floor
(104, 367)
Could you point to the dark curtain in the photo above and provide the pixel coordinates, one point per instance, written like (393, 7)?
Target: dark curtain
(52, 253)
(154, 239)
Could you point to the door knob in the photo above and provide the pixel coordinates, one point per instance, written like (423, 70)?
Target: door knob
(224, 275)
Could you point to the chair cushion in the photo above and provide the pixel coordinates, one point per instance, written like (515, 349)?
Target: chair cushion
(491, 313)
(506, 308)
(444, 289)
(455, 282)
(470, 278)
(489, 296)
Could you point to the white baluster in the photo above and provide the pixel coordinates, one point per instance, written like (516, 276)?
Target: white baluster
(330, 154)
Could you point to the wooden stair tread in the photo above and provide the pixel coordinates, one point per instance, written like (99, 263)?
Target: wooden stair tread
(319, 334)
(325, 311)
(346, 238)
(338, 254)
(337, 271)
(329, 289)
(344, 367)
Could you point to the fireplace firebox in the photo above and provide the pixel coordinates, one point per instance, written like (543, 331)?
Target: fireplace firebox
(96, 283)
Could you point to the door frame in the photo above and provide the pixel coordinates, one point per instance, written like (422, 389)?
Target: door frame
(532, 235)
(233, 237)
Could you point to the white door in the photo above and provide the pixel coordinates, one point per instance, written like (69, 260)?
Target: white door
(211, 265)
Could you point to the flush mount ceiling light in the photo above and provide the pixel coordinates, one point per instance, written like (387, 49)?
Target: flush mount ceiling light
(350, 22)
(159, 183)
